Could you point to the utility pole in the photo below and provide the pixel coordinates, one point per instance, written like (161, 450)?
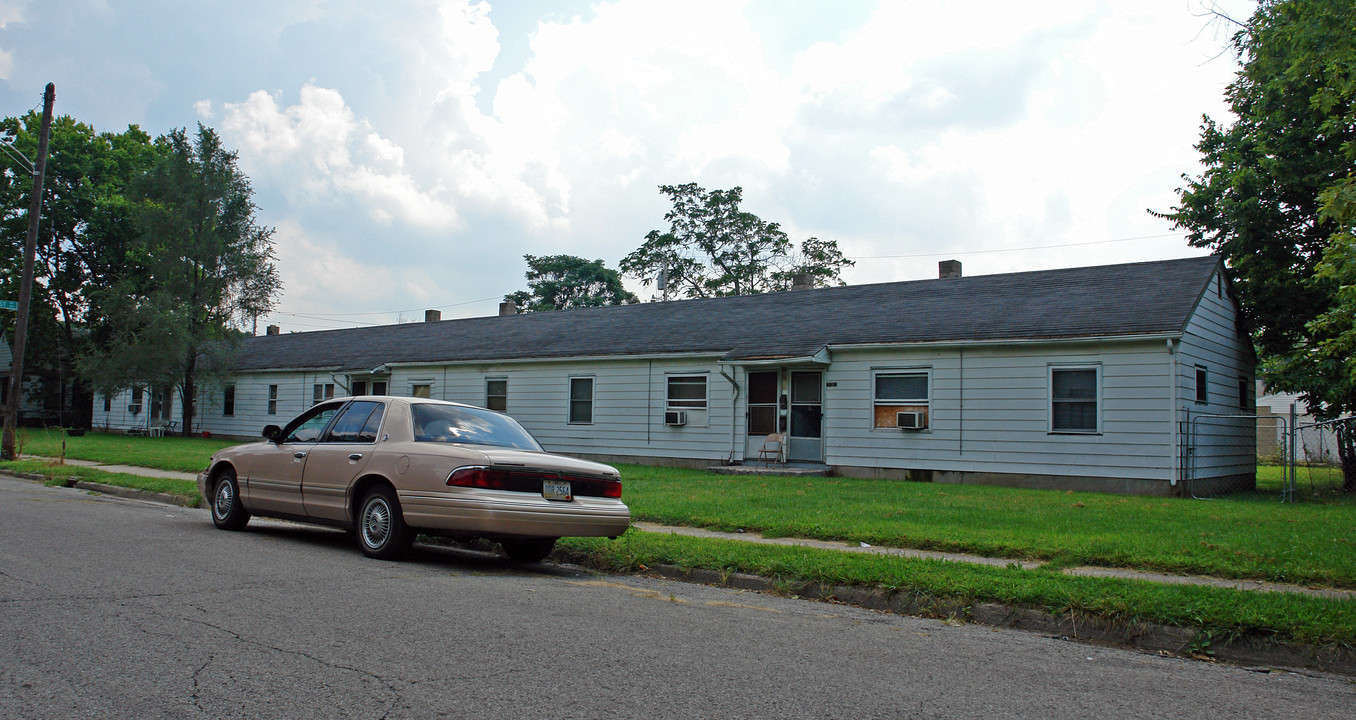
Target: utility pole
(16, 370)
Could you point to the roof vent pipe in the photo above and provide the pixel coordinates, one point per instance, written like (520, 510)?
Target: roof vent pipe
(433, 315)
(949, 269)
(273, 330)
(507, 308)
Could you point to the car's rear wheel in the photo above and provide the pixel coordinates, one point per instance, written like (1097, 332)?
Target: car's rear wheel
(382, 532)
(227, 511)
(528, 550)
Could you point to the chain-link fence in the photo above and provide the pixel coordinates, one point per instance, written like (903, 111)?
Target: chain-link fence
(1261, 456)
(1222, 454)
(1325, 466)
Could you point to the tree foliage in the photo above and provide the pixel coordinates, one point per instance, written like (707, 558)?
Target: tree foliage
(199, 267)
(562, 282)
(713, 248)
(82, 241)
(1276, 196)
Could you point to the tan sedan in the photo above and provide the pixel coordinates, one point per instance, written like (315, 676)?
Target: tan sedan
(392, 467)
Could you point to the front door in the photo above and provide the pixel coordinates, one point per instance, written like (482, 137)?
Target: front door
(806, 442)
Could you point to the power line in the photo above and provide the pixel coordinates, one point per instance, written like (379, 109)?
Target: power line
(1002, 250)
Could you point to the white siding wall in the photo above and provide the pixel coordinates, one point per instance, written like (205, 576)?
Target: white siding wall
(1212, 340)
(628, 404)
(990, 412)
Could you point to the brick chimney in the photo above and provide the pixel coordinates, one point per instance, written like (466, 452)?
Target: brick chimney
(273, 330)
(507, 308)
(433, 315)
(802, 281)
(949, 269)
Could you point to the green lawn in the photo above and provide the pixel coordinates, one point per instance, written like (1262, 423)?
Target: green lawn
(165, 453)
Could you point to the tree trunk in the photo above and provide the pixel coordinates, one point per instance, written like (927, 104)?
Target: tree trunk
(188, 394)
(1346, 453)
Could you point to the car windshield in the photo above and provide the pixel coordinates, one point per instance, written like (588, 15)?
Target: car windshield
(473, 426)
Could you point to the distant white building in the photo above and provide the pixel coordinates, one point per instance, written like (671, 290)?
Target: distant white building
(1082, 378)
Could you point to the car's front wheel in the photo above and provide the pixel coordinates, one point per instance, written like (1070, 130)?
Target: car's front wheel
(227, 511)
(528, 550)
(382, 532)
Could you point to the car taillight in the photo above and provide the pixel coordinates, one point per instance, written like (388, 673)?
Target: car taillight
(527, 480)
(476, 476)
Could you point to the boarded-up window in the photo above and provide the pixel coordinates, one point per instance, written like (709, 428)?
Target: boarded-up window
(904, 391)
(1073, 400)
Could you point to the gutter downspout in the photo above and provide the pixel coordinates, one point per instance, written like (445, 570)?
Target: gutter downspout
(734, 406)
(1176, 431)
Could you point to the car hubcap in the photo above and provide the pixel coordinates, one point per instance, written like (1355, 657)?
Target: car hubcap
(225, 497)
(376, 523)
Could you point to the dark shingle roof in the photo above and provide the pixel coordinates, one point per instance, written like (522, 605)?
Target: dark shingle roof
(1132, 299)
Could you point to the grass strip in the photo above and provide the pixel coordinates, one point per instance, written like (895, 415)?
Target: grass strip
(1223, 612)
(1306, 543)
(53, 474)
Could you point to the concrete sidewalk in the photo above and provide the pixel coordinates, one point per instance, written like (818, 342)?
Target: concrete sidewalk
(1250, 585)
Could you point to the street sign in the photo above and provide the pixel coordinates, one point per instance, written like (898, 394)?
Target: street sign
(8, 305)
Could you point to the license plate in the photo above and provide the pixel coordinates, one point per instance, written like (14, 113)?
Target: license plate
(556, 490)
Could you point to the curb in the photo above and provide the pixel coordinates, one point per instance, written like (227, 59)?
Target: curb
(115, 490)
(1254, 653)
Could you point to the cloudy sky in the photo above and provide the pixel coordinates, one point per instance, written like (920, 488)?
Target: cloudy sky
(409, 153)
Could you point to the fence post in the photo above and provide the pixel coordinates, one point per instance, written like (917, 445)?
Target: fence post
(1288, 487)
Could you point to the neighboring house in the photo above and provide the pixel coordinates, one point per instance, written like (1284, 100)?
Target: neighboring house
(1317, 441)
(37, 405)
(1080, 378)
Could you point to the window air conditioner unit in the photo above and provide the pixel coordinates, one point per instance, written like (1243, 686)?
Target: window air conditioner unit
(910, 420)
(675, 417)
(134, 409)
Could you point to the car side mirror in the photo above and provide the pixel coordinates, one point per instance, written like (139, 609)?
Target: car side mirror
(271, 432)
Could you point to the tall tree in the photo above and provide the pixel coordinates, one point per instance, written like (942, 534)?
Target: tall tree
(1261, 199)
(712, 248)
(204, 269)
(82, 240)
(561, 282)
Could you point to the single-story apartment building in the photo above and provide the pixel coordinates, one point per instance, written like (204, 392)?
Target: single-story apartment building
(1081, 378)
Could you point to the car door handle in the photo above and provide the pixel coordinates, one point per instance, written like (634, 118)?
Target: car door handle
(298, 455)
(355, 457)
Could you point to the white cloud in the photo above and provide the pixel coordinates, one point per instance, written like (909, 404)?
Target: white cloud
(321, 149)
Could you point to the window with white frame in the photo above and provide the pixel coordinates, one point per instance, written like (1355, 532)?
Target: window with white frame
(1075, 397)
(686, 392)
(135, 406)
(581, 400)
(902, 399)
(321, 392)
(1202, 385)
(272, 399)
(1244, 396)
(496, 394)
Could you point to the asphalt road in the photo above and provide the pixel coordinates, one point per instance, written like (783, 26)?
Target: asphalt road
(113, 608)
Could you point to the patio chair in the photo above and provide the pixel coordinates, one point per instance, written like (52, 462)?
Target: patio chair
(771, 451)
